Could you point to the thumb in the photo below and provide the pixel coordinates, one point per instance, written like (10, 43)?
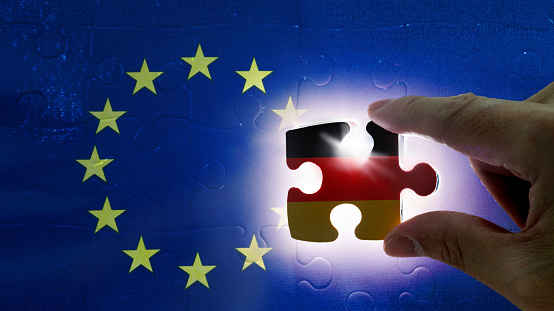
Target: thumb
(469, 243)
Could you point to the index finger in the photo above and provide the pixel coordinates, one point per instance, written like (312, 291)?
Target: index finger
(497, 132)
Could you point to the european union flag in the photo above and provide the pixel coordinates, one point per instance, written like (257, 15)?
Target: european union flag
(143, 151)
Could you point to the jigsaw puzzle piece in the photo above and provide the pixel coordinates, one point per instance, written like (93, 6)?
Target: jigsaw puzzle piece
(18, 59)
(173, 205)
(213, 97)
(355, 80)
(131, 57)
(142, 133)
(526, 66)
(105, 246)
(286, 271)
(316, 71)
(374, 186)
(216, 247)
(66, 68)
(170, 162)
(361, 272)
(17, 193)
(54, 65)
(467, 40)
(389, 296)
(249, 184)
(41, 180)
(109, 275)
(375, 68)
(359, 300)
(31, 255)
(448, 281)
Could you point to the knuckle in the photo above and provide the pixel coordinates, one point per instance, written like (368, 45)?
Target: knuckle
(412, 105)
(457, 113)
(457, 105)
(444, 118)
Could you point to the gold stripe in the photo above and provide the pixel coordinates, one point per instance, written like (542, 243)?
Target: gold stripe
(310, 221)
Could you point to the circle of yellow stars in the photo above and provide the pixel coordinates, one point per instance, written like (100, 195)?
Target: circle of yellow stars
(107, 118)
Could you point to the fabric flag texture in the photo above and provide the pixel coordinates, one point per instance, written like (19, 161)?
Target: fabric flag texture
(143, 146)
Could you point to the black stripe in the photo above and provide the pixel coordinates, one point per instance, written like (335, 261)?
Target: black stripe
(322, 140)
(385, 142)
(316, 141)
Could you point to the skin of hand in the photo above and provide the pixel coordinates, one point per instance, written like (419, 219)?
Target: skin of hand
(510, 146)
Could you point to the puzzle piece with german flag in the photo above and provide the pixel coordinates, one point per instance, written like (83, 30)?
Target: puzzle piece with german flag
(373, 185)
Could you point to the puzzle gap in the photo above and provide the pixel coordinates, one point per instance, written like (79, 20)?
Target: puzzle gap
(308, 178)
(346, 217)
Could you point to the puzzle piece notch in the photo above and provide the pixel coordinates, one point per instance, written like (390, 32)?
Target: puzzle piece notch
(527, 66)
(379, 277)
(284, 268)
(168, 210)
(360, 300)
(385, 74)
(378, 284)
(34, 54)
(374, 187)
(31, 266)
(466, 41)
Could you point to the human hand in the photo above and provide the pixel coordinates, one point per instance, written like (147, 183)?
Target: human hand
(510, 146)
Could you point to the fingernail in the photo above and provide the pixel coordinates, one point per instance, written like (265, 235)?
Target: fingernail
(378, 104)
(400, 246)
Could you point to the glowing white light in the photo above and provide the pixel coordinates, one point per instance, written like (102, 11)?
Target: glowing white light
(308, 178)
(357, 144)
(345, 218)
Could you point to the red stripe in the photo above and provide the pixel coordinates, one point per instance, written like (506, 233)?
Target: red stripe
(378, 178)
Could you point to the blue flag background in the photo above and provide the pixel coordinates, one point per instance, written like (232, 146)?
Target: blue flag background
(179, 202)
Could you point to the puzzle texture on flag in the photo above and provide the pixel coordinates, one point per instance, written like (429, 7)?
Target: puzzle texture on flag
(146, 165)
(372, 183)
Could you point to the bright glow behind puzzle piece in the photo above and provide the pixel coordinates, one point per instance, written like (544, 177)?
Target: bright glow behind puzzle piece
(357, 144)
(345, 218)
(308, 178)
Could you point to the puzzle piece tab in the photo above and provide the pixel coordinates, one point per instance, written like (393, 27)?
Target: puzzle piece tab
(373, 186)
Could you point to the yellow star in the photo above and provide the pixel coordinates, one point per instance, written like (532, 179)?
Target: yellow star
(197, 272)
(145, 78)
(108, 117)
(282, 211)
(106, 216)
(199, 63)
(141, 256)
(254, 254)
(94, 165)
(289, 115)
(254, 77)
